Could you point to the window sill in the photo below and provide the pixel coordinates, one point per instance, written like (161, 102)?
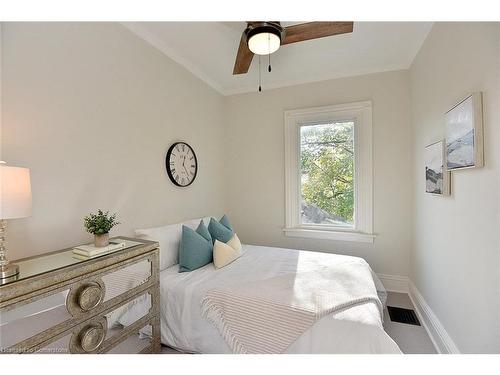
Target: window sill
(330, 235)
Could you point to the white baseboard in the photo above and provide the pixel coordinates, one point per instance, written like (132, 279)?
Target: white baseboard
(394, 283)
(436, 331)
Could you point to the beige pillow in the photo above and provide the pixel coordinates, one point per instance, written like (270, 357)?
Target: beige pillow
(224, 254)
(235, 243)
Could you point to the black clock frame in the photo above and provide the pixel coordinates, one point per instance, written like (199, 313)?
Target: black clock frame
(167, 164)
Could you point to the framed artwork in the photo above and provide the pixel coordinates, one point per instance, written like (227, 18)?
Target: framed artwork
(464, 134)
(437, 178)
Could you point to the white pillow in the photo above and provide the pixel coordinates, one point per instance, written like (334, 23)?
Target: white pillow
(235, 243)
(169, 238)
(224, 254)
(206, 220)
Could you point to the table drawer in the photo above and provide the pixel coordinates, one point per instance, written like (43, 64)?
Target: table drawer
(108, 288)
(104, 332)
(29, 322)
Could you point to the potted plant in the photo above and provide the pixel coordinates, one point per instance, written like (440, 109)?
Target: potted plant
(99, 225)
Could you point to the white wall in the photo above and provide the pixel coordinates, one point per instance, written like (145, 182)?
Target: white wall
(254, 157)
(455, 261)
(91, 109)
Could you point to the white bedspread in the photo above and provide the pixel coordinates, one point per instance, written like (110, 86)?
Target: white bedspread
(267, 316)
(357, 329)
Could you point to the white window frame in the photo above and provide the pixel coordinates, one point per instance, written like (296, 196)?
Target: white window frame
(361, 114)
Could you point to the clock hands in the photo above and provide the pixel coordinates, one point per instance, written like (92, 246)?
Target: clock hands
(183, 164)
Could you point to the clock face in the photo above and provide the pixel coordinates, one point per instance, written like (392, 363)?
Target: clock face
(181, 164)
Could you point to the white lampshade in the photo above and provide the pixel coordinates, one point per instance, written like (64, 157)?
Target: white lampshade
(15, 192)
(264, 43)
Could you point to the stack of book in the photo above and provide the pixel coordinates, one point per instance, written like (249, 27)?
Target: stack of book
(90, 251)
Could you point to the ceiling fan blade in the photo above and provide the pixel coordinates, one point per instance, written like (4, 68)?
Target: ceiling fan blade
(315, 30)
(243, 58)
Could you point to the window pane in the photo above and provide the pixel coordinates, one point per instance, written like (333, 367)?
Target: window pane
(327, 173)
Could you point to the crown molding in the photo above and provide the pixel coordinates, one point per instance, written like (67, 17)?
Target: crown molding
(323, 78)
(154, 41)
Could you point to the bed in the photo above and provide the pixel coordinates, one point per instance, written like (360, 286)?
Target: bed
(356, 329)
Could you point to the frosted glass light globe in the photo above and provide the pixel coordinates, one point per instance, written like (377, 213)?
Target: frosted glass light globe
(264, 43)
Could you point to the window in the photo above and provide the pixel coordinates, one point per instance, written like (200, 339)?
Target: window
(328, 156)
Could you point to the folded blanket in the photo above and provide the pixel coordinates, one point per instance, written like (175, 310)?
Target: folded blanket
(267, 316)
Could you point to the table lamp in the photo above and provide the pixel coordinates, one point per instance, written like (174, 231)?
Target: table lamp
(15, 202)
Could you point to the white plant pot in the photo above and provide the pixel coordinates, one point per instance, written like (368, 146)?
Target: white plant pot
(101, 240)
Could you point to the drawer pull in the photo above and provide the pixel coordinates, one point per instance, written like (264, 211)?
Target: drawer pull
(90, 296)
(91, 337)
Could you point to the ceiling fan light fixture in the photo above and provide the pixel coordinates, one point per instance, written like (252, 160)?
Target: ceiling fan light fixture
(264, 39)
(264, 43)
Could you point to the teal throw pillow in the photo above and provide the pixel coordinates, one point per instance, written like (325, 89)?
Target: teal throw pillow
(219, 231)
(203, 230)
(195, 250)
(225, 221)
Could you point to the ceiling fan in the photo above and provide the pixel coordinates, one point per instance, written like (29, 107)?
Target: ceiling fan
(265, 37)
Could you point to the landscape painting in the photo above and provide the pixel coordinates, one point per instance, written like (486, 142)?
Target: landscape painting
(436, 177)
(464, 134)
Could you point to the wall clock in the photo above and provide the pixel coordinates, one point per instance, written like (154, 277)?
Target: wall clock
(181, 164)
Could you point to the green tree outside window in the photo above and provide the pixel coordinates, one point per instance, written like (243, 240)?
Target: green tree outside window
(327, 173)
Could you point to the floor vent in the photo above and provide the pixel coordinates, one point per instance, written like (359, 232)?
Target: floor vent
(406, 316)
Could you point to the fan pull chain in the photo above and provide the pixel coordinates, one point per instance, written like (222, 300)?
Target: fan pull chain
(260, 87)
(269, 55)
